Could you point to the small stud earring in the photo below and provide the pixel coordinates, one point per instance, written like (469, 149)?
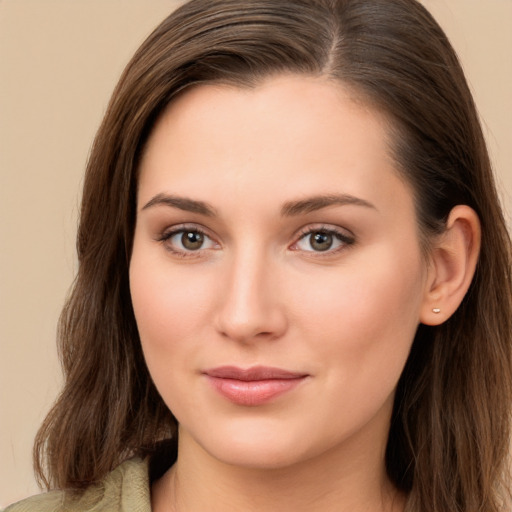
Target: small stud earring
(436, 311)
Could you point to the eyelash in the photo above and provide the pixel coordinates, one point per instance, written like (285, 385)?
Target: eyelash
(166, 236)
(344, 239)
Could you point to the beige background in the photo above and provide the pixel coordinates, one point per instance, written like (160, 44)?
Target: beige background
(59, 60)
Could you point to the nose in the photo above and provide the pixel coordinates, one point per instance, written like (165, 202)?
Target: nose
(250, 305)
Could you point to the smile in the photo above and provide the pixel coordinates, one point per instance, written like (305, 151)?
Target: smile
(252, 386)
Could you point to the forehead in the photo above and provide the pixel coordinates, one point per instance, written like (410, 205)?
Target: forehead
(277, 101)
(286, 135)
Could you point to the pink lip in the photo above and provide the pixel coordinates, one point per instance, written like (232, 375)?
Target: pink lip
(252, 386)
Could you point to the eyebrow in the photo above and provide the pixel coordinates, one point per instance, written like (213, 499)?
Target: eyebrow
(289, 209)
(182, 203)
(312, 204)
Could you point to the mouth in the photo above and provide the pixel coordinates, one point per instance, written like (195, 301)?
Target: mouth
(252, 386)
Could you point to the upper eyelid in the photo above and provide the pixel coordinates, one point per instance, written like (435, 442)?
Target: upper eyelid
(328, 228)
(177, 228)
(343, 232)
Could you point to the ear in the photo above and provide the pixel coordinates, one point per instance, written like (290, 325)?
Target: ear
(453, 261)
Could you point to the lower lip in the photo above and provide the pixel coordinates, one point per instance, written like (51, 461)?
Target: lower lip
(253, 392)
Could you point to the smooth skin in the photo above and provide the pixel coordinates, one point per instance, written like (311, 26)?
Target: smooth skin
(273, 229)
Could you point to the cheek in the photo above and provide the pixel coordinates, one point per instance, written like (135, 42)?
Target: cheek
(367, 314)
(170, 306)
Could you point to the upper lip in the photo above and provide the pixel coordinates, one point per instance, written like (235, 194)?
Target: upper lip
(252, 374)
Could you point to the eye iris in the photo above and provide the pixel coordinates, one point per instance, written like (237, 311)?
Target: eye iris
(192, 240)
(321, 241)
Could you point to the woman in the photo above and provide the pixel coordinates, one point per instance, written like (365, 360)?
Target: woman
(294, 289)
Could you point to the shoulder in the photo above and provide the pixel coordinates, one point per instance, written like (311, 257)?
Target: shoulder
(47, 502)
(124, 489)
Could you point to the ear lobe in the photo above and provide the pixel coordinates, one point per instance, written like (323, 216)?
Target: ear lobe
(453, 263)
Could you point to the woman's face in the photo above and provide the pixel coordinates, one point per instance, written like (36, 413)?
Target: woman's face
(276, 276)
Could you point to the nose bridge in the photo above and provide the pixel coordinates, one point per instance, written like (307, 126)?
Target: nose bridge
(250, 307)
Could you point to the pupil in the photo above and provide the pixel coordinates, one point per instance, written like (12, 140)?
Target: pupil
(321, 241)
(192, 240)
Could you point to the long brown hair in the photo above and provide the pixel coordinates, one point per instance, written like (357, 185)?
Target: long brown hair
(449, 436)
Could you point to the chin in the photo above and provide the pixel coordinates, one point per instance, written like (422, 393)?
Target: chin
(260, 445)
(258, 455)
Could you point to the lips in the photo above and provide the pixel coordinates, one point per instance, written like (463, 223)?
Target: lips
(252, 386)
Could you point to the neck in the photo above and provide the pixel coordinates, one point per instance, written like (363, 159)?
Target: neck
(340, 481)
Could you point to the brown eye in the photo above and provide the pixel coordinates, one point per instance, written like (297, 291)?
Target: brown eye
(321, 241)
(186, 241)
(192, 240)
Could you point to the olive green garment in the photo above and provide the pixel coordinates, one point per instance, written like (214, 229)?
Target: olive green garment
(126, 489)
